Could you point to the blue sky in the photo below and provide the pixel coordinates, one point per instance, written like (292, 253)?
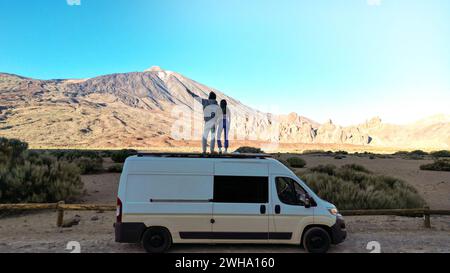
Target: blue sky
(341, 59)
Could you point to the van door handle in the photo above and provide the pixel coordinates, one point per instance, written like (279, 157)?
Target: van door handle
(277, 209)
(262, 209)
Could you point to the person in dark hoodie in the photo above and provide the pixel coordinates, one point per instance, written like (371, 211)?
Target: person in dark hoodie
(224, 122)
(210, 114)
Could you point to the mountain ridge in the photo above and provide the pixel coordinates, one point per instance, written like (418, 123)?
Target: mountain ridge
(137, 109)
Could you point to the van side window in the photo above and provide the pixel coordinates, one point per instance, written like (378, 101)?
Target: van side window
(289, 191)
(241, 189)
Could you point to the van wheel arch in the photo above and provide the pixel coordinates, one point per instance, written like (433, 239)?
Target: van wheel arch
(156, 239)
(326, 228)
(156, 227)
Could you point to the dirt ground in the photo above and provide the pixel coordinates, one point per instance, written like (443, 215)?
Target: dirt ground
(37, 232)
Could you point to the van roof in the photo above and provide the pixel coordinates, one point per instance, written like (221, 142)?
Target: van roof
(198, 155)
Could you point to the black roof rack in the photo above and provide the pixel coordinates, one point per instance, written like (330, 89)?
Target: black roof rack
(198, 155)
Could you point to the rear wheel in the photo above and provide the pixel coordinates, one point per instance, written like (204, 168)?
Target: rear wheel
(316, 240)
(156, 240)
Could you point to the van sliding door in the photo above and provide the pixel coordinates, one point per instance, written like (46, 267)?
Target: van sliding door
(240, 209)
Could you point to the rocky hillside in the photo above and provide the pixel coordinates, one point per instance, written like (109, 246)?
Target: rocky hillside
(154, 109)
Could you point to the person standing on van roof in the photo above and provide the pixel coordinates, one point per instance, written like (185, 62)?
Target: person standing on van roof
(224, 121)
(210, 113)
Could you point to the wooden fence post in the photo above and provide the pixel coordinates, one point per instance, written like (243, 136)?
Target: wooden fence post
(60, 216)
(426, 217)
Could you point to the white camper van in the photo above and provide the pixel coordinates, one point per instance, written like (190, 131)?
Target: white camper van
(166, 199)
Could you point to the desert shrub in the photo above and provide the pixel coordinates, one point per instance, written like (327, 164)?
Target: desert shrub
(296, 162)
(116, 168)
(89, 165)
(11, 150)
(71, 155)
(106, 153)
(306, 152)
(342, 152)
(249, 150)
(442, 153)
(122, 155)
(442, 165)
(35, 177)
(415, 155)
(356, 167)
(339, 156)
(328, 169)
(418, 153)
(348, 188)
(89, 162)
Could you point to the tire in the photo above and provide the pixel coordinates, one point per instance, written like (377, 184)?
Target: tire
(156, 240)
(316, 240)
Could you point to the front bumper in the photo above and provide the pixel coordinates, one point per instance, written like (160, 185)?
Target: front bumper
(338, 230)
(129, 232)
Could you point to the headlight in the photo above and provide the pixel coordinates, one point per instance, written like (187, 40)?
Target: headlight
(333, 211)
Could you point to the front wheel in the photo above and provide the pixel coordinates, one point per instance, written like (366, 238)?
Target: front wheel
(156, 240)
(316, 240)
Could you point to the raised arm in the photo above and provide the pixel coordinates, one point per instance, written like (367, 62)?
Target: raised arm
(196, 97)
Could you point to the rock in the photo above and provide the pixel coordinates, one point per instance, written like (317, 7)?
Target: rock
(94, 218)
(71, 222)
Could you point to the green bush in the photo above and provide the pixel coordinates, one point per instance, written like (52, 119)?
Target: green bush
(35, 177)
(442, 165)
(11, 150)
(122, 155)
(415, 155)
(442, 153)
(351, 187)
(116, 168)
(307, 152)
(89, 165)
(418, 153)
(328, 169)
(356, 167)
(296, 162)
(106, 153)
(89, 162)
(249, 150)
(71, 155)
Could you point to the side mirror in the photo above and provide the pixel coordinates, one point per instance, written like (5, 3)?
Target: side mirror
(307, 201)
